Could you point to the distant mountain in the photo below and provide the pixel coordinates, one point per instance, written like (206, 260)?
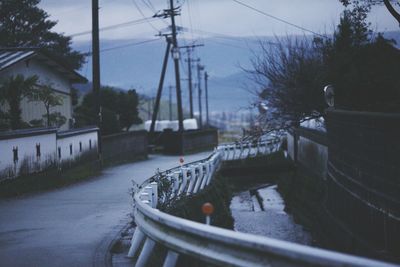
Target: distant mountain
(139, 67)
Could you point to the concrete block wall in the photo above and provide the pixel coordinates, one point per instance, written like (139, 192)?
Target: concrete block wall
(363, 191)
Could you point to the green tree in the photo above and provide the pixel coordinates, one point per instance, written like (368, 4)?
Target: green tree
(128, 109)
(24, 24)
(363, 71)
(49, 98)
(119, 110)
(362, 67)
(12, 90)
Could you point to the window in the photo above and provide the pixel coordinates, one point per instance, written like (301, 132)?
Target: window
(90, 143)
(70, 149)
(15, 154)
(59, 152)
(80, 146)
(38, 154)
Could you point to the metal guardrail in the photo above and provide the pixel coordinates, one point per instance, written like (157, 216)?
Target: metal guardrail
(212, 244)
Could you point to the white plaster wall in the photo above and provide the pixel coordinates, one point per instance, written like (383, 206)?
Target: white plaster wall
(27, 151)
(35, 110)
(64, 144)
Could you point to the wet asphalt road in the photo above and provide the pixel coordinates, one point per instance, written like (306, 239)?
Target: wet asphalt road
(68, 226)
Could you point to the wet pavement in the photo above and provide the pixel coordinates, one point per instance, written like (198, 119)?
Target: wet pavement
(72, 226)
(261, 212)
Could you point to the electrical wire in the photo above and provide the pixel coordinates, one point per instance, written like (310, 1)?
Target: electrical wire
(278, 19)
(125, 45)
(141, 13)
(114, 26)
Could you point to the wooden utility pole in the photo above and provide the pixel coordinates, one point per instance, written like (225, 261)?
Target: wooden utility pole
(189, 49)
(160, 85)
(170, 103)
(175, 54)
(96, 69)
(189, 60)
(206, 88)
(199, 69)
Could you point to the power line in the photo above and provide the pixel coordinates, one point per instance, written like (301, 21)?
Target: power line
(125, 45)
(141, 13)
(278, 19)
(114, 26)
(149, 5)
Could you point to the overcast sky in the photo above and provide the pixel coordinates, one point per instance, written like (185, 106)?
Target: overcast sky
(204, 17)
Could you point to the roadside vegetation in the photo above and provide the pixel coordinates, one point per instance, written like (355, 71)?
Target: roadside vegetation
(361, 65)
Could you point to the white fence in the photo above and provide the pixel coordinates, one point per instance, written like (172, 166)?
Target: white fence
(212, 244)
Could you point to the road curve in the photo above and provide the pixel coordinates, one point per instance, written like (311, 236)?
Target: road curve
(66, 227)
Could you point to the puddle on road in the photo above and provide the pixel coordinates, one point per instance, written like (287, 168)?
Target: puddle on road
(261, 211)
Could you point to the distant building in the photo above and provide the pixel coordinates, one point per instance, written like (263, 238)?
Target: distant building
(31, 61)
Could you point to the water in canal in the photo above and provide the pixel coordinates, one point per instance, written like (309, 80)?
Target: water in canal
(261, 211)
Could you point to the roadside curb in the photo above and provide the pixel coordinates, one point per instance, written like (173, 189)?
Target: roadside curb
(102, 256)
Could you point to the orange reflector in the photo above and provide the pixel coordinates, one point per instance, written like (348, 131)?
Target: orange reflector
(207, 208)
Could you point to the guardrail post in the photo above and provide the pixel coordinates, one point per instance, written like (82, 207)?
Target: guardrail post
(241, 150)
(210, 173)
(171, 259)
(249, 150)
(146, 252)
(192, 179)
(170, 178)
(184, 181)
(137, 239)
(265, 148)
(154, 194)
(175, 183)
(234, 152)
(206, 174)
(226, 154)
(199, 178)
(148, 195)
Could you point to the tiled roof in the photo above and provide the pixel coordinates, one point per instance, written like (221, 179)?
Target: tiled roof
(11, 56)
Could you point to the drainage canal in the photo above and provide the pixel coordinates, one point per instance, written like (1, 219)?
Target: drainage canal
(261, 211)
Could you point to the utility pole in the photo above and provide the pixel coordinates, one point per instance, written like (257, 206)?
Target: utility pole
(199, 69)
(189, 60)
(96, 69)
(170, 102)
(206, 88)
(172, 12)
(160, 85)
(189, 49)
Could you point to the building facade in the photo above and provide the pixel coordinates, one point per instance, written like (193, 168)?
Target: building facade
(51, 72)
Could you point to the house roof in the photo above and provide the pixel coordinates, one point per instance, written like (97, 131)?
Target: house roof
(11, 56)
